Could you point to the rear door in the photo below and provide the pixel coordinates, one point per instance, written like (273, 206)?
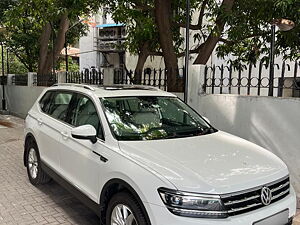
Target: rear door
(51, 123)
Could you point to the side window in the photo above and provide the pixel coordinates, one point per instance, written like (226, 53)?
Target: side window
(45, 101)
(58, 107)
(85, 113)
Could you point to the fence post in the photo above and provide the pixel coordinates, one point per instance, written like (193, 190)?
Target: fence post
(108, 76)
(221, 79)
(10, 78)
(30, 81)
(159, 78)
(272, 56)
(261, 64)
(281, 80)
(239, 79)
(230, 78)
(62, 77)
(205, 79)
(213, 79)
(249, 79)
(295, 78)
(154, 77)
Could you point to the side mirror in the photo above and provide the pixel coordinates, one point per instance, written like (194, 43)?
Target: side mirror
(85, 132)
(206, 119)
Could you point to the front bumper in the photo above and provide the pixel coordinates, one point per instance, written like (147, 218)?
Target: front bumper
(160, 215)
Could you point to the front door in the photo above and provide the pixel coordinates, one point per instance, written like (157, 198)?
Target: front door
(79, 161)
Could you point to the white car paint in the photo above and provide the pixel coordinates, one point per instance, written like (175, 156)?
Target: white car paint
(217, 163)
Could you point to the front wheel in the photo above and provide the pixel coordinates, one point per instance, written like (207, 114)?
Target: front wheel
(123, 209)
(33, 163)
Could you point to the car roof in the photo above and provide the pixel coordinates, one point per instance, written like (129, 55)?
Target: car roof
(115, 90)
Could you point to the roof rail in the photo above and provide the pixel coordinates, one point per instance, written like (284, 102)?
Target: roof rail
(75, 85)
(129, 87)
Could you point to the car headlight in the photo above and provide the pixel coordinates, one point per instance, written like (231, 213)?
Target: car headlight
(193, 205)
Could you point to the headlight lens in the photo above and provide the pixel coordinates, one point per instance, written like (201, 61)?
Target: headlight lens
(193, 205)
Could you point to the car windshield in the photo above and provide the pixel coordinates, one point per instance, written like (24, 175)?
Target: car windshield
(150, 117)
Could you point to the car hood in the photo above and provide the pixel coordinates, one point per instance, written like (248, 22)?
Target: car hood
(216, 163)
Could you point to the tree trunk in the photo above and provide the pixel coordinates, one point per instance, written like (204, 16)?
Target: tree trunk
(142, 57)
(44, 41)
(209, 45)
(163, 12)
(54, 54)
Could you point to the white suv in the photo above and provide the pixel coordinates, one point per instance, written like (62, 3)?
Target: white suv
(139, 156)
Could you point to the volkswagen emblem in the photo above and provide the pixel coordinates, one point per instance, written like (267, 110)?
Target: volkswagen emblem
(266, 196)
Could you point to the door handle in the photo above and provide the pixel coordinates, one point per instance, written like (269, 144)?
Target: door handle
(40, 121)
(64, 135)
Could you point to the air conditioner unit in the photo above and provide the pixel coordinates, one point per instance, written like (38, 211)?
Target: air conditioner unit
(123, 32)
(108, 46)
(108, 33)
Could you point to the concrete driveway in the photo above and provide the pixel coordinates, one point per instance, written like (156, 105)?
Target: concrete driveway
(22, 203)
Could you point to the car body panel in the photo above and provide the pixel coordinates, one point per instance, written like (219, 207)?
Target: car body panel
(217, 163)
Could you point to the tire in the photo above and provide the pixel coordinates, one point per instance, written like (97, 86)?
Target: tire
(125, 202)
(35, 172)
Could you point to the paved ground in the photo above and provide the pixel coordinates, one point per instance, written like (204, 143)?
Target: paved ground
(22, 203)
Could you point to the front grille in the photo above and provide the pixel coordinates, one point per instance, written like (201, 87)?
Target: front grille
(249, 200)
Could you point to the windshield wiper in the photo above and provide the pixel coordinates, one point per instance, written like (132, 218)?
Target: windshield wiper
(192, 132)
(208, 130)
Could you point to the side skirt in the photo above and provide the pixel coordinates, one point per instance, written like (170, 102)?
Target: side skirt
(73, 190)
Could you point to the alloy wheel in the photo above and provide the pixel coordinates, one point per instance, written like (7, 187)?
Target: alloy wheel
(122, 215)
(33, 163)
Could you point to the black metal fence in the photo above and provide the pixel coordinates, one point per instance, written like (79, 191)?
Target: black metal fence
(253, 79)
(86, 77)
(20, 79)
(45, 79)
(151, 77)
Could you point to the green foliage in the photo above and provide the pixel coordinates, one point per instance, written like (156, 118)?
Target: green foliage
(248, 30)
(15, 66)
(22, 32)
(24, 21)
(73, 66)
(246, 33)
(140, 24)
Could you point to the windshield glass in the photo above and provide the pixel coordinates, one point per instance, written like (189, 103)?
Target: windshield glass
(150, 117)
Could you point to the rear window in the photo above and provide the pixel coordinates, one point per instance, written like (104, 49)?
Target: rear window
(56, 104)
(45, 101)
(59, 105)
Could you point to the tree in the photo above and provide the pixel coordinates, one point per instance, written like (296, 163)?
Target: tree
(163, 18)
(5, 5)
(233, 27)
(144, 38)
(37, 29)
(15, 66)
(142, 35)
(73, 66)
(248, 35)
